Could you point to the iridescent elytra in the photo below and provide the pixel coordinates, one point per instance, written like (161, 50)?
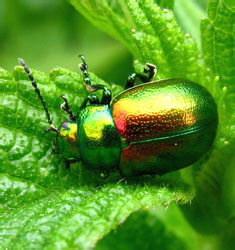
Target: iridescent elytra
(152, 128)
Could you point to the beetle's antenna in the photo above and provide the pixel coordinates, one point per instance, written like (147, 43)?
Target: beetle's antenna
(84, 69)
(34, 84)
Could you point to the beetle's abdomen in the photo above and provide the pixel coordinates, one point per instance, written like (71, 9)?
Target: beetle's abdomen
(163, 108)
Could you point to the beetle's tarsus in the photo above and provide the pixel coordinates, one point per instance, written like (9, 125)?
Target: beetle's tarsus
(65, 107)
(151, 71)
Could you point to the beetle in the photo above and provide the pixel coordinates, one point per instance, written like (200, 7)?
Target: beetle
(153, 128)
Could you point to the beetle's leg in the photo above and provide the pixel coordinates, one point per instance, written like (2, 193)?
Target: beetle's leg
(151, 71)
(106, 97)
(130, 81)
(65, 107)
(92, 99)
(132, 77)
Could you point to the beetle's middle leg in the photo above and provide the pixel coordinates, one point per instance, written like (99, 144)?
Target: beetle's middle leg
(65, 107)
(106, 97)
(151, 71)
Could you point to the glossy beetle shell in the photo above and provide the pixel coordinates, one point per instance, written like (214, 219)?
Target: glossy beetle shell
(162, 108)
(153, 128)
(169, 124)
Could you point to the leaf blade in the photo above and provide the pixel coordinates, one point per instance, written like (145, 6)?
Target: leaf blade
(43, 205)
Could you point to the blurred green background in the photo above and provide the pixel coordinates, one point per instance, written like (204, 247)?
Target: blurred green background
(52, 33)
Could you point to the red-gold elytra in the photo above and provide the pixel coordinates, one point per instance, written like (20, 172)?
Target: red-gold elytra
(162, 108)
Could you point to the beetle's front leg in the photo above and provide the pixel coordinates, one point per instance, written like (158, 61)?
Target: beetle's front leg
(130, 81)
(151, 71)
(65, 107)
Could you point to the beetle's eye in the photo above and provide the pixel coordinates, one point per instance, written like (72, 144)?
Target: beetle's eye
(65, 125)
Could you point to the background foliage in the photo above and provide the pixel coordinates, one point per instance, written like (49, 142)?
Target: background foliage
(43, 205)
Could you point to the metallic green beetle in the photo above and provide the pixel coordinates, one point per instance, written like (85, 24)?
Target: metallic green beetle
(153, 128)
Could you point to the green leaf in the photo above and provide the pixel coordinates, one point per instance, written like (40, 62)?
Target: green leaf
(166, 3)
(217, 45)
(190, 20)
(150, 33)
(76, 217)
(149, 233)
(44, 205)
(213, 204)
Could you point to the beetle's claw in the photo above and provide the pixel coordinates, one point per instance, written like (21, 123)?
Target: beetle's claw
(151, 70)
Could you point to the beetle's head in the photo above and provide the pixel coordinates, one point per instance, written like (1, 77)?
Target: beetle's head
(66, 141)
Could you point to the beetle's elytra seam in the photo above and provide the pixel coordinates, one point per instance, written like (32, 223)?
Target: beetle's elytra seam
(194, 130)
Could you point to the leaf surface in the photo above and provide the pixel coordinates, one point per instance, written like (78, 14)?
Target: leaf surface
(214, 183)
(44, 205)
